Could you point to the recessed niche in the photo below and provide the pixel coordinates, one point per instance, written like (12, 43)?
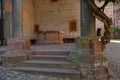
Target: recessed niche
(72, 25)
(54, 0)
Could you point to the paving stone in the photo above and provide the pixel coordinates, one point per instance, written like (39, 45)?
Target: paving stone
(7, 74)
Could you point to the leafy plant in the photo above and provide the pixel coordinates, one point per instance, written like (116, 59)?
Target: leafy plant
(116, 29)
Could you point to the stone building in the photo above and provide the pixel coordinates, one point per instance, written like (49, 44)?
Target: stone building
(23, 18)
(117, 15)
(116, 25)
(112, 11)
(52, 15)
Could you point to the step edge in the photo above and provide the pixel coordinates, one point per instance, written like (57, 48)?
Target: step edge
(52, 70)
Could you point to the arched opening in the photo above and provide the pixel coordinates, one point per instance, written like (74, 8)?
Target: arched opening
(99, 32)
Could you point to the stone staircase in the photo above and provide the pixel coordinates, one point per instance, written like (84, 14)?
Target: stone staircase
(50, 63)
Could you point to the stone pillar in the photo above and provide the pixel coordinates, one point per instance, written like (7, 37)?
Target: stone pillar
(18, 48)
(7, 18)
(89, 59)
(87, 20)
(17, 18)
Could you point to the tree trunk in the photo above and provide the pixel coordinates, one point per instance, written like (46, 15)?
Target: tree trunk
(100, 15)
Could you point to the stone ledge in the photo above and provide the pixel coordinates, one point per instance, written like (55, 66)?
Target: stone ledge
(14, 57)
(18, 44)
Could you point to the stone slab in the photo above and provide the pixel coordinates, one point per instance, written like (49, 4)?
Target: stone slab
(18, 44)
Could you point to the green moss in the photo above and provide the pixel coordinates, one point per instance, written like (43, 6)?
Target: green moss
(86, 60)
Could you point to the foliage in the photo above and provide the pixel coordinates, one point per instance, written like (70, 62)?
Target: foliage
(116, 29)
(86, 60)
(109, 0)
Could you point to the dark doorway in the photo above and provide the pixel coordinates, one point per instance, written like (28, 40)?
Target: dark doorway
(99, 32)
(1, 22)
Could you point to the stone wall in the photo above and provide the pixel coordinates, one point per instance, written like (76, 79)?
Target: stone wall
(117, 15)
(28, 19)
(108, 12)
(56, 15)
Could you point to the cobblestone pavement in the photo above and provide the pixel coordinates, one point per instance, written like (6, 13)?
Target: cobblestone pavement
(7, 74)
(112, 52)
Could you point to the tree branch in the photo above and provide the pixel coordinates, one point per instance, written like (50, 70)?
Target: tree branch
(104, 5)
(102, 17)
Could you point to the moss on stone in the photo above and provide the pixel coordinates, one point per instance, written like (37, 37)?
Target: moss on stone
(14, 56)
(87, 60)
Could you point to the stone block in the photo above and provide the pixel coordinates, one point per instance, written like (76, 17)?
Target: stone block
(14, 44)
(90, 45)
(52, 37)
(29, 54)
(101, 73)
(14, 57)
(40, 37)
(26, 43)
(0, 60)
(18, 44)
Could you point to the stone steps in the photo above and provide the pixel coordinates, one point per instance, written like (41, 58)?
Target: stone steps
(51, 63)
(50, 52)
(2, 52)
(58, 72)
(47, 64)
(52, 70)
(50, 57)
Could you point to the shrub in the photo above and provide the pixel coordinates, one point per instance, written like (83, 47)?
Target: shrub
(116, 29)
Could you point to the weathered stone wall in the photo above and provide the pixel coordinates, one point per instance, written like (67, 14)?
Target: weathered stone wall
(56, 15)
(28, 19)
(117, 15)
(108, 12)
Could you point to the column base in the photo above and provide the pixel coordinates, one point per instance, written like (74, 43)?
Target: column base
(18, 50)
(89, 59)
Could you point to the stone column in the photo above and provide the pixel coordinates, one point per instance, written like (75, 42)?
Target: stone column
(16, 18)
(87, 20)
(89, 58)
(7, 18)
(18, 48)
